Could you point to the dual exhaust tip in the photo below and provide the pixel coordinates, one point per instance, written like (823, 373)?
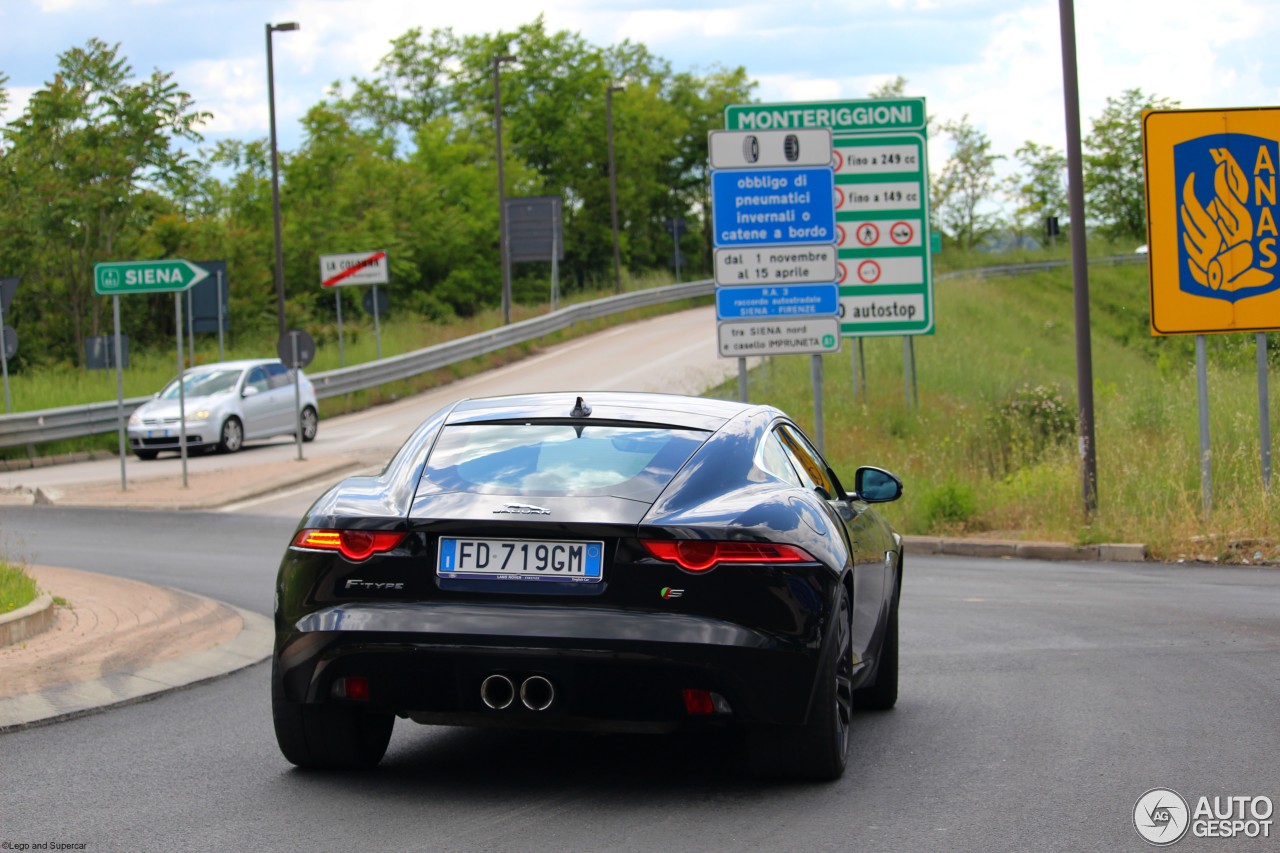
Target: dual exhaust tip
(499, 692)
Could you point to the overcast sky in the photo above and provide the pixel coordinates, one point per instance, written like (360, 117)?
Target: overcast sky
(998, 61)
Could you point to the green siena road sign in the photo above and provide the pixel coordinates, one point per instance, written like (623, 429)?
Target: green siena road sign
(171, 276)
(883, 241)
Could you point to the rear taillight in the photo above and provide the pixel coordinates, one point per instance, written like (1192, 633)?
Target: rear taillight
(699, 555)
(355, 545)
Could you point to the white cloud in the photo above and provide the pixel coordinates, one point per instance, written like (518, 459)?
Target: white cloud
(234, 90)
(783, 88)
(655, 25)
(19, 97)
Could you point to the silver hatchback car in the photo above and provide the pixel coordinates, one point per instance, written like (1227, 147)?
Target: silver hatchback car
(226, 404)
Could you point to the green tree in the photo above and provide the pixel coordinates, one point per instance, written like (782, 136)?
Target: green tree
(966, 186)
(1113, 179)
(701, 101)
(87, 166)
(895, 88)
(414, 85)
(1039, 189)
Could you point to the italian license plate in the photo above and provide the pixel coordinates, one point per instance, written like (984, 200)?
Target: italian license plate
(521, 559)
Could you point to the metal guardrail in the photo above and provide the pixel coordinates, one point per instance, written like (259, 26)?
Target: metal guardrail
(23, 428)
(1039, 266)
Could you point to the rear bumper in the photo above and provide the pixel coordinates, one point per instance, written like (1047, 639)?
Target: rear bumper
(610, 669)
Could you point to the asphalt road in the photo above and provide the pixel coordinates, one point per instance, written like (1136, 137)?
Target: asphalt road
(1039, 701)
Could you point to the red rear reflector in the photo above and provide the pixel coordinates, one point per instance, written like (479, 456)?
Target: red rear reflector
(698, 555)
(355, 545)
(698, 702)
(352, 687)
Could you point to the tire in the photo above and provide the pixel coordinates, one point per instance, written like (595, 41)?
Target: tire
(310, 424)
(146, 455)
(231, 436)
(883, 694)
(328, 737)
(819, 749)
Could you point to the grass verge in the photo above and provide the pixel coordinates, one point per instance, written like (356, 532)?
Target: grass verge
(17, 588)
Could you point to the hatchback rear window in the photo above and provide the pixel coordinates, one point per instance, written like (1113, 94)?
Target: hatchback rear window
(544, 460)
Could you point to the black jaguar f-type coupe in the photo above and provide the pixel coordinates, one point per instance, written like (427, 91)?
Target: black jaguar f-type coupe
(599, 562)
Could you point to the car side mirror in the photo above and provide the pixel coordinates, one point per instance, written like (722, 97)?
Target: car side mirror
(249, 391)
(876, 485)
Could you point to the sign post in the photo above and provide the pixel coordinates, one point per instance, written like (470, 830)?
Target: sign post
(124, 277)
(355, 268)
(8, 287)
(1214, 245)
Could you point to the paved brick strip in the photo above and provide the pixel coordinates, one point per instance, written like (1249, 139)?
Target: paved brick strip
(110, 625)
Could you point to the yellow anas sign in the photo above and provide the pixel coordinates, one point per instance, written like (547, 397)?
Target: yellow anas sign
(1212, 220)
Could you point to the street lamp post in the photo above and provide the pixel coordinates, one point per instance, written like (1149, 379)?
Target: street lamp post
(275, 171)
(502, 200)
(613, 187)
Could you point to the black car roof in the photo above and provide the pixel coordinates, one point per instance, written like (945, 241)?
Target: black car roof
(670, 409)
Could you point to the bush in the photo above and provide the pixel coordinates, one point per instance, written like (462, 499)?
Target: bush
(949, 505)
(1025, 426)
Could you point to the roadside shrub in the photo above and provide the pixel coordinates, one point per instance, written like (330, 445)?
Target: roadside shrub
(949, 505)
(1027, 424)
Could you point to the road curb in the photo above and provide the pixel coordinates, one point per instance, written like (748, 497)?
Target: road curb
(251, 646)
(206, 489)
(27, 621)
(1116, 552)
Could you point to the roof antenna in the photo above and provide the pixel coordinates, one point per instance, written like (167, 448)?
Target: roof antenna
(580, 409)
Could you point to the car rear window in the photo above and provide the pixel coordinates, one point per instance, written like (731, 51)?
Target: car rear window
(541, 460)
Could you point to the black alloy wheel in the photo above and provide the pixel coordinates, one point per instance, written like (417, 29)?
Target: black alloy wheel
(883, 694)
(819, 749)
(328, 737)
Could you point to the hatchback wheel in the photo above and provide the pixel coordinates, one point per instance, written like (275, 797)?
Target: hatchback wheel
(310, 423)
(232, 436)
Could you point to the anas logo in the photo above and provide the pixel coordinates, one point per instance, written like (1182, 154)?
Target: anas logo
(1227, 215)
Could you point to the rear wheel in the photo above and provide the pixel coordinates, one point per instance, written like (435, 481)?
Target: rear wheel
(819, 749)
(231, 438)
(883, 695)
(328, 737)
(310, 423)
